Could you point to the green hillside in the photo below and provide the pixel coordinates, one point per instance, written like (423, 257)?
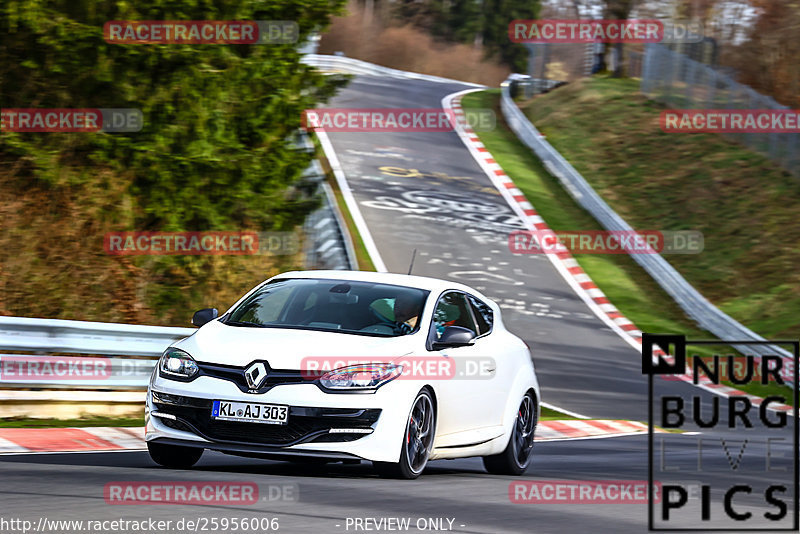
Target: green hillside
(745, 206)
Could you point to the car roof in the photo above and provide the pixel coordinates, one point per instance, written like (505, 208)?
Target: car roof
(434, 285)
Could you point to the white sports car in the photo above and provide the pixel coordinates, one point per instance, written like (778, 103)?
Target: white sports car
(348, 366)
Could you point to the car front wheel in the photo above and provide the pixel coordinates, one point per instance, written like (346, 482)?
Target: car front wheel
(417, 441)
(174, 456)
(514, 460)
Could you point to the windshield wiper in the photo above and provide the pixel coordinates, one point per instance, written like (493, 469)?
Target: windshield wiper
(244, 323)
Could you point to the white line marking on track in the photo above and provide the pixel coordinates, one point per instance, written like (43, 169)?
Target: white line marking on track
(351, 202)
(604, 436)
(562, 410)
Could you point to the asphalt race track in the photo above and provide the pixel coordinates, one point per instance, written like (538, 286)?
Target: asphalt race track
(65, 486)
(425, 191)
(321, 499)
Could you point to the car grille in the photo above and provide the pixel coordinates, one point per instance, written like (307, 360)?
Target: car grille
(305, 424)
(275, 377)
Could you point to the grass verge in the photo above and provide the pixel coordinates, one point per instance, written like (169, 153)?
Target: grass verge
(744, 205)
(362, 256)
(548, 414)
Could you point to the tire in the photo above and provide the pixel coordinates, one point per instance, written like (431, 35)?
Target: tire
(417, 442)
(174, 456)
(516, 457)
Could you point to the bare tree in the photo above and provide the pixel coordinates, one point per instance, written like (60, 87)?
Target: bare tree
(618, 10)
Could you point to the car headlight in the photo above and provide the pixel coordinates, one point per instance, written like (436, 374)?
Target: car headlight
(177, 364)
(362, 376)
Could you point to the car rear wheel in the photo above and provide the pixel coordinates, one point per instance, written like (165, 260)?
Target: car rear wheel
(174, 456)
(514, 460)
(417, 441)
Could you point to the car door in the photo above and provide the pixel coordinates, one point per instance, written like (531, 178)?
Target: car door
(490, 350)
(467, 399)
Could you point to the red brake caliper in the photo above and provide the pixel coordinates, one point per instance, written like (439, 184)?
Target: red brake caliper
(408, 434)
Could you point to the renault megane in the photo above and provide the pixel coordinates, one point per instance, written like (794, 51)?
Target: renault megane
(348, 366)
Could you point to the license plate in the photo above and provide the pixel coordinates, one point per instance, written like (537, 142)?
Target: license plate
(248, 412)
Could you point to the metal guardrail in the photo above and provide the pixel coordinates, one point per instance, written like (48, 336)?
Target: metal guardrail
(705, 314)
(529, 86)
(328, 242)
(57, 335)
(356, 66)
(44, 337)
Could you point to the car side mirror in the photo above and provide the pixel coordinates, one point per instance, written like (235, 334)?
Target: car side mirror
(206, 315)
(454, 336)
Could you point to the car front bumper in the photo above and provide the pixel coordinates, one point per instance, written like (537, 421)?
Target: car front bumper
(368, 426)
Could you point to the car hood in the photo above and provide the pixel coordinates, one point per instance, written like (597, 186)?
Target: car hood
(285, 348)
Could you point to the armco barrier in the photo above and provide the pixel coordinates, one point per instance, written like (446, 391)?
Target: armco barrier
(328, 243)
(705, 314)
(125, 354)
(356, 66)
(44, 337)
(56, 335)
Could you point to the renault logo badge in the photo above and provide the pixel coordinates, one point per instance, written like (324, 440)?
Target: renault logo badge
(255, 375)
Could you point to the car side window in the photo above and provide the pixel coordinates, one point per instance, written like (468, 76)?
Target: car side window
(483, 315)
(452, 310)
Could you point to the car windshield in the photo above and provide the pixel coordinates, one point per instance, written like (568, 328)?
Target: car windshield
(332, 305)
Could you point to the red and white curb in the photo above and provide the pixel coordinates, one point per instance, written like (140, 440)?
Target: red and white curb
(27, 440)
(588, 428)
(99, 439)
(566, 265)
